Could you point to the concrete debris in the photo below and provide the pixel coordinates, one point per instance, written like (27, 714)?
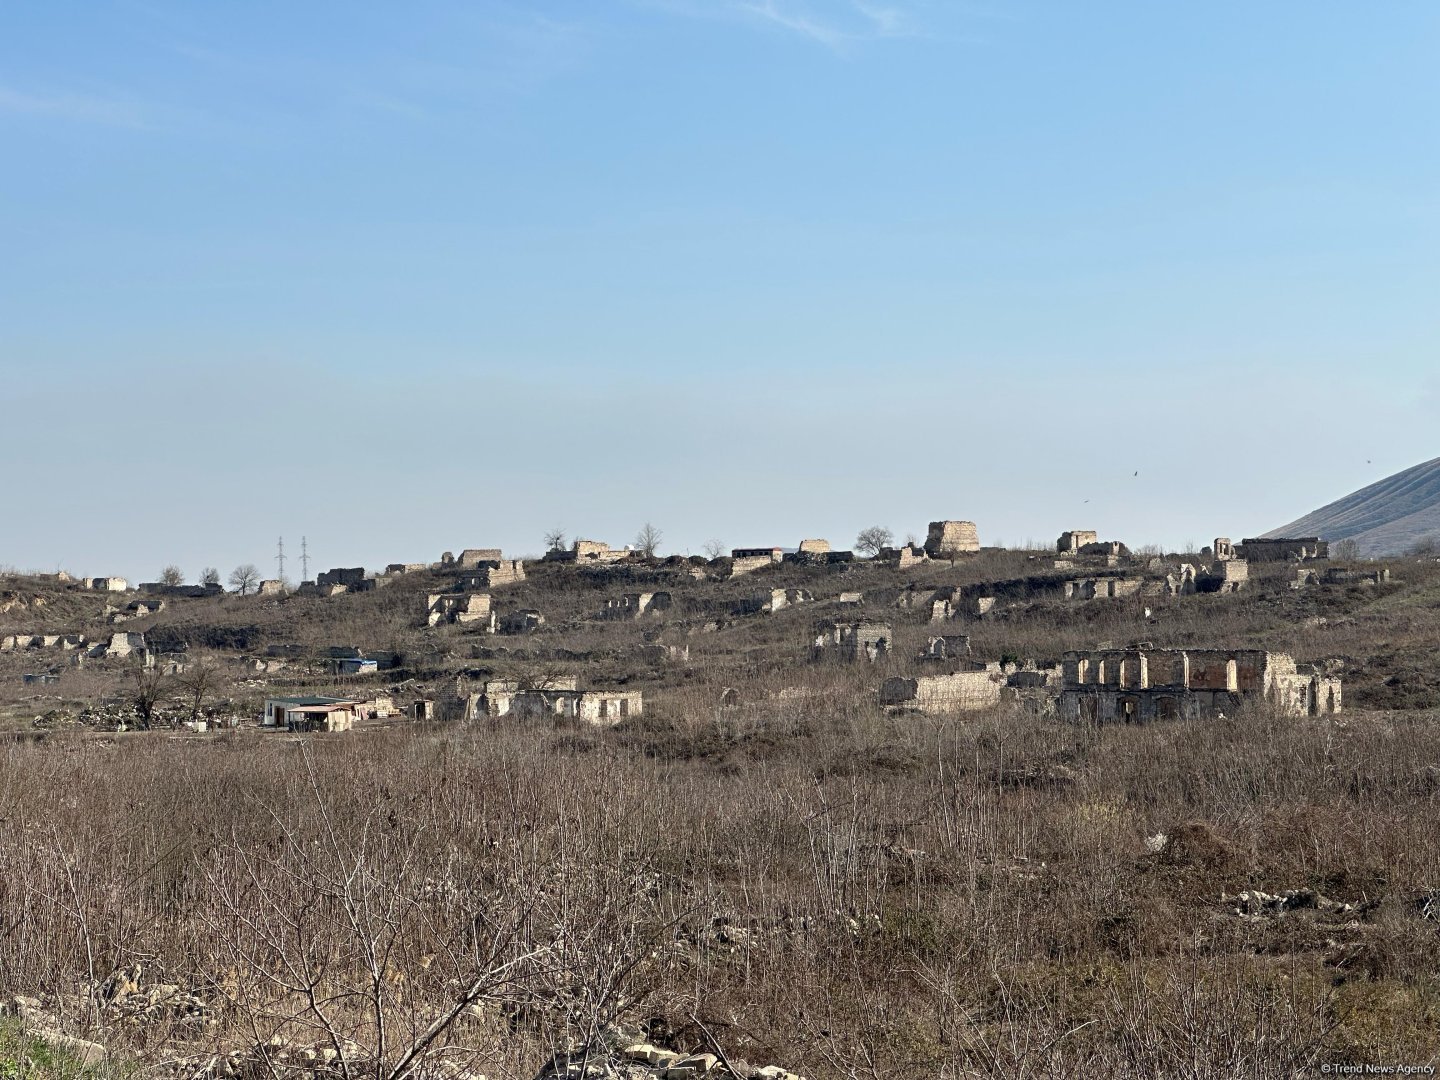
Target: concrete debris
(1253, 903)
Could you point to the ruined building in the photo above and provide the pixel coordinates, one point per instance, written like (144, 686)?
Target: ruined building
(492, 573)
(352, 577)
(853, 642)
(634, 605)
(559, 697)
(1227, 575)
(946, 647)
(1144, 683)
(960, 691)
(946, 539)
(470, 558)
(904, 557)
(588, 551)
(748, 560)
(1071, 542)
(462, 608)
(1291, 549)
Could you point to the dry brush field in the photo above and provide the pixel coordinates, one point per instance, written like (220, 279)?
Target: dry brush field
(811, 884)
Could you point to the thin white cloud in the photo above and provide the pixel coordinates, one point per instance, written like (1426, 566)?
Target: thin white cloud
(75, 108)
(885, 21)
(797, 21)
(838, 25)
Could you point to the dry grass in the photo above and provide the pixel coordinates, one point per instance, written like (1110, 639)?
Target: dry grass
(806, 881)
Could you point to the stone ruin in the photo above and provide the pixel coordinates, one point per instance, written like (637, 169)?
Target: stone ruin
(588, 551)
(1335, 575)
(771, 600)
(462, 608)
(1102, 588)
(106, 584)
(1229, 575)
(946, 539)
(1143, 683)
(492, 574)
(634, 605)
(559, 698)
(1071, 542)
(946, 647)
(853, 642)
(1286, 549)
(352, 578)
(904, 557)
(194, 592)
(522, 621)
(748, 560)
(959, 691)
(468, 559)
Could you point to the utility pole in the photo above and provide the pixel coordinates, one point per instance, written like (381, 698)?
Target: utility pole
(280, 558)
(304, 559)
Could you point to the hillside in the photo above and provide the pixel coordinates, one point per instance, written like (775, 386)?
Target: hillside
(772, 862)
(1389, 517)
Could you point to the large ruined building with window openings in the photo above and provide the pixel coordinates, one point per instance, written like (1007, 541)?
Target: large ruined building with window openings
(1143, 683)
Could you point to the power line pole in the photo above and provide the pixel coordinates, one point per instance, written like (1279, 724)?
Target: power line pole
(280, 558)
(304, 559)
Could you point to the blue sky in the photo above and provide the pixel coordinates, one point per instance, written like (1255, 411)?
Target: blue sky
(411, 278)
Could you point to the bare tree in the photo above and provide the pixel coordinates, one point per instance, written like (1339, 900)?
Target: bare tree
(1347, 550)
(244, 579)
(871, 540)
(555, 540)
(647, 540)
(172, 575)
(148, 693)
(211, 576)
(714, 549)
(199, 681)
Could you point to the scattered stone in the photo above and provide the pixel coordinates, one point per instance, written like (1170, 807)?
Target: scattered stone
(1252, 903)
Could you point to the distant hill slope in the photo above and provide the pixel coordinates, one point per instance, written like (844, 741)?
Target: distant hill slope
(1386, 518)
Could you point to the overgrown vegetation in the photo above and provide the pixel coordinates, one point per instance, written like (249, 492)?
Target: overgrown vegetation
(801, 879)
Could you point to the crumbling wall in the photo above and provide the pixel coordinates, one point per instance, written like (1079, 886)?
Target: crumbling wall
(1283, 549)
(958, 692)
(352, 577)
(947, 539)
(493, 574)
(1141, 684)
(1071, 542)
(852, 642)
(460, 608)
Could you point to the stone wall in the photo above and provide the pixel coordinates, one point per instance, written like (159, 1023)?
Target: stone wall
(1289, 549)
(1071, 542)
(462, 608)
(852, 642)
(1141, 684)
(958, 692)
(748, 564)
(947, 539)
(493, 574)
(351, 577)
